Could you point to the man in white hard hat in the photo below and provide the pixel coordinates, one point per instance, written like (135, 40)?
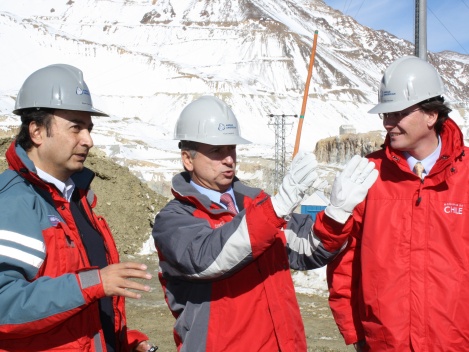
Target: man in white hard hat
(226, 249)
(62, 287)
(402, 283)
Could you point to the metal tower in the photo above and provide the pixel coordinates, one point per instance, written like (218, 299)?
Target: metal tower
(278, 121)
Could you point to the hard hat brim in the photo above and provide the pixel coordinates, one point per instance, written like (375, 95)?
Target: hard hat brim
(225, 140)
(92, 111)
(391, 107)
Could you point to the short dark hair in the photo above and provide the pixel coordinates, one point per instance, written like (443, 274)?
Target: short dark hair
(191, 146)
(42, 117)
(437, 104)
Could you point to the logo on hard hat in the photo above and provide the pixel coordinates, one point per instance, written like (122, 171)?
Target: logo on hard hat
(82, 91)
(221, 126)
(387, 93)
(387, 96)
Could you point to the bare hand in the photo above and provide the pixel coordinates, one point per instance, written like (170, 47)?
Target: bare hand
(115, 279)
(143, 346)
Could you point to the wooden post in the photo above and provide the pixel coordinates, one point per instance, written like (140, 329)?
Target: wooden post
(305, 96)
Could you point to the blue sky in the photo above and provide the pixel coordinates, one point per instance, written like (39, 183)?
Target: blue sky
(447, 20)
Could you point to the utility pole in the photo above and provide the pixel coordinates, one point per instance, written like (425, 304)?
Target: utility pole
(421, 29)
(278, 121)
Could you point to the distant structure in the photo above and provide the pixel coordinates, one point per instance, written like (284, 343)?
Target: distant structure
(344, 129)
(314, 204)
(278, 121)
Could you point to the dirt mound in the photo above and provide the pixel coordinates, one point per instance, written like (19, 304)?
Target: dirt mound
(128, 204)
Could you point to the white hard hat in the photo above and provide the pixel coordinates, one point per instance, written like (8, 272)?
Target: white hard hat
(407, 81)
(58, 86)
(208, 120)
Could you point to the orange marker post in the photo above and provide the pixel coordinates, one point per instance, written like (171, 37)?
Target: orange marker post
(305, 96)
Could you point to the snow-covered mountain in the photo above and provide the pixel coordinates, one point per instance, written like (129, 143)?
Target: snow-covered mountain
(144, 60)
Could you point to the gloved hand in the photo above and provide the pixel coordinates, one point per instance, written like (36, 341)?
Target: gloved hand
(351, 187)
(301, 176)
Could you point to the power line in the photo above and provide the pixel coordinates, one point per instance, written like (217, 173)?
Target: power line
(465, 3)
(429, 9)
(350, 3)
(359, 8)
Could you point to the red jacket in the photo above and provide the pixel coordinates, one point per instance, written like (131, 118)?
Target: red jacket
(48, 291)
(403, 282)
(227, 277)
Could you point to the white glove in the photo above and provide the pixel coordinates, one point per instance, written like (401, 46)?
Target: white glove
(351, 187)
(301, 176)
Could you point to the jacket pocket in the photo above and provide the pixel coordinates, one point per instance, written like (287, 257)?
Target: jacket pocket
(64, 253)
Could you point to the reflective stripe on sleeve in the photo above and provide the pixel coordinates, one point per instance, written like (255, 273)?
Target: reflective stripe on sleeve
(21, 252)
(22, 256)
(236, 249)
(22, 240)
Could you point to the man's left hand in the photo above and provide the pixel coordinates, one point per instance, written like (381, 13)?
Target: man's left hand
(297, 181)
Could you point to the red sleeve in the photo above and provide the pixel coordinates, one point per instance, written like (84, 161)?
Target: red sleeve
(263, 224)
(331, 233)
(343, 278)
(90, 283)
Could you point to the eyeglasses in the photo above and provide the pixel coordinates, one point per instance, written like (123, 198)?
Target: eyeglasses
(399, 115)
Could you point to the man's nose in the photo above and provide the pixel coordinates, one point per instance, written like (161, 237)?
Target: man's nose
(229, 159)
(86, 138)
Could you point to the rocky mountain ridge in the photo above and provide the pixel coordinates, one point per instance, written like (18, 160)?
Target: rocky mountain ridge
(145, 60)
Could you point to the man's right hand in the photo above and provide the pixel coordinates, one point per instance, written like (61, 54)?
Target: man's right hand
(115, 279)
(351, 187)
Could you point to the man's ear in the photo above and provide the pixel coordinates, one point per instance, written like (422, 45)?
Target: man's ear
(35, 132)
(432, 118)
(187, 160)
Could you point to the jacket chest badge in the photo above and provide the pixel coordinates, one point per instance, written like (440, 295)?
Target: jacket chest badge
(453, 208)
(54, 220)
